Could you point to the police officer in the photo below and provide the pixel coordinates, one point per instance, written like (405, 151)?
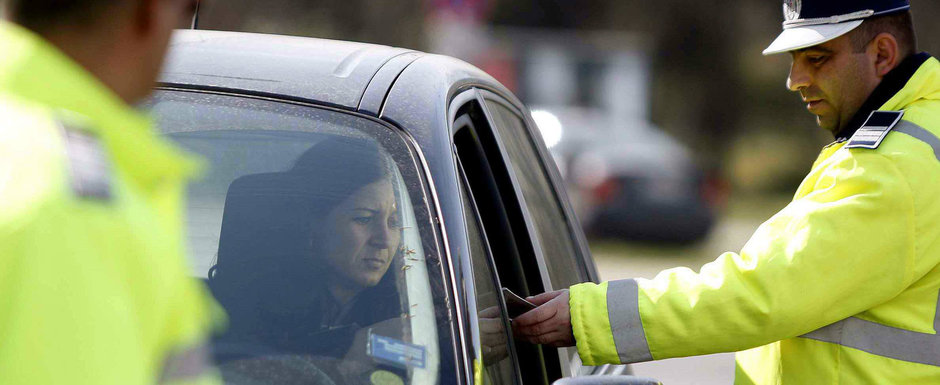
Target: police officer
(93, 285)
(841, 286)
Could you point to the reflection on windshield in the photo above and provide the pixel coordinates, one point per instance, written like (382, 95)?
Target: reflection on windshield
(307, 224)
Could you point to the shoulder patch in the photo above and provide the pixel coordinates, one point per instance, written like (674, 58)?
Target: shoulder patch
(873, 132)
(89, 167)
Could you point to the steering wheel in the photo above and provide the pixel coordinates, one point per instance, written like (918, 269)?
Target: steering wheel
(250, 363)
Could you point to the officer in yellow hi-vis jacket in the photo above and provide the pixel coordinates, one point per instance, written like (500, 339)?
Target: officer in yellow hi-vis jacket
(841, 286)
(93, 285)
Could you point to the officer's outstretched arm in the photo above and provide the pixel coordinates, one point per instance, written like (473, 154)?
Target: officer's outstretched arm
(845, 245)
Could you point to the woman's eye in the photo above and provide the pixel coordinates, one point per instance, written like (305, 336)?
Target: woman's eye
(362, 220)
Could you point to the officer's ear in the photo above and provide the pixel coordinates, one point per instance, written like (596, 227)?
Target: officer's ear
(157, 16)
(142, 17)
(884, 53)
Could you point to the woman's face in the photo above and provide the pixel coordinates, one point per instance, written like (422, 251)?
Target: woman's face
(362, 235)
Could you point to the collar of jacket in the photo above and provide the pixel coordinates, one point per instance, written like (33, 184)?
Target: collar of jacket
(890, 86)
(33, 70)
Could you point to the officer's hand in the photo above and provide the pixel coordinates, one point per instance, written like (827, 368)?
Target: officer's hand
(549, 323)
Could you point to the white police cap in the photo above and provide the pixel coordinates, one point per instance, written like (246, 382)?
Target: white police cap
(811, 22)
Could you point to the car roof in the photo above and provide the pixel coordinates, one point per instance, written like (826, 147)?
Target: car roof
(408, 88)
(326, 71)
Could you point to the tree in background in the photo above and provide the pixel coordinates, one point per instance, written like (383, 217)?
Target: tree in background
(711, 86)
(398, 23)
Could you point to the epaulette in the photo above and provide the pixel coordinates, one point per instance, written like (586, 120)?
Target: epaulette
(873, 132)
(89, 167)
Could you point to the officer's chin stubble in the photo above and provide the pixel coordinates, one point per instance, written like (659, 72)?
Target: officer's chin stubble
(809, 68)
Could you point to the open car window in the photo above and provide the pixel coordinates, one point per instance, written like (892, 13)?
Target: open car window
(311, 230)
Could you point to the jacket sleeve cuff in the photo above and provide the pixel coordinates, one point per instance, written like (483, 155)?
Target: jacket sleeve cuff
(590, 325)
(606, 323)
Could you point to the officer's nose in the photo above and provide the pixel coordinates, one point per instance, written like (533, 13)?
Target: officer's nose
(799, 78)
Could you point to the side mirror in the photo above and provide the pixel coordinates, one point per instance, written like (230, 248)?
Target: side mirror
(607, 380)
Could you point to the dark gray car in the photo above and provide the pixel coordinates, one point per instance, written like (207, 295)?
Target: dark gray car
(361, 209)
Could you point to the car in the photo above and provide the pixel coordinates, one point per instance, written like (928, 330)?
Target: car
(629, 180)
(362, 210)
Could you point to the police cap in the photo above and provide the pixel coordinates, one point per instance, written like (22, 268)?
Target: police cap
(811, 22)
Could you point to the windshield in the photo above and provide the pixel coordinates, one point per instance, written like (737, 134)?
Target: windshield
(310, 229)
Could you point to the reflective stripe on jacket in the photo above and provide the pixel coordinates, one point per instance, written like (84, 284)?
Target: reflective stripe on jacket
(94, 288)
(839, 287)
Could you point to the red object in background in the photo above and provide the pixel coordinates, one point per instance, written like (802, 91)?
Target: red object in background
(500, 65)
(715, 190)
(475, 9)
(606, 191)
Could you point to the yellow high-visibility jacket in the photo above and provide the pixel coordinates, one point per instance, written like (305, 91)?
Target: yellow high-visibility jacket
(839, 287)
(94, 288)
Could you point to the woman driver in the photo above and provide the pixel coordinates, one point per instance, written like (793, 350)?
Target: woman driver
(304, 255)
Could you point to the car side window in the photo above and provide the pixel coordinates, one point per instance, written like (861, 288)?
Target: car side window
(504, 231)
(499, 367)
(551, 225)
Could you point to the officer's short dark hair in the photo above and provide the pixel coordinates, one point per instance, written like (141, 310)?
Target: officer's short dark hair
(899, 24)
(41, 15)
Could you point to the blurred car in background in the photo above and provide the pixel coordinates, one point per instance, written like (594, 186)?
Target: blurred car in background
(590, 96)
(628, 179)
(468, 203)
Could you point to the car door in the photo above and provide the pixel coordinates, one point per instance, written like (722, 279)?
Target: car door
(557, 232)
(530, 243)
(567, 259)
(506, 255)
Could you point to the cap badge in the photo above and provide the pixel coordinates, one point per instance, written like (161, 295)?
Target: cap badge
(791, 9)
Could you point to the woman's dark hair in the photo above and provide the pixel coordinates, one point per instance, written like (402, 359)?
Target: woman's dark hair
(267, 275)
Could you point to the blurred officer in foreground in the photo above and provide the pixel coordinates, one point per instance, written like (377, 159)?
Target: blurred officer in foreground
(93, 285)
(841, 286)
